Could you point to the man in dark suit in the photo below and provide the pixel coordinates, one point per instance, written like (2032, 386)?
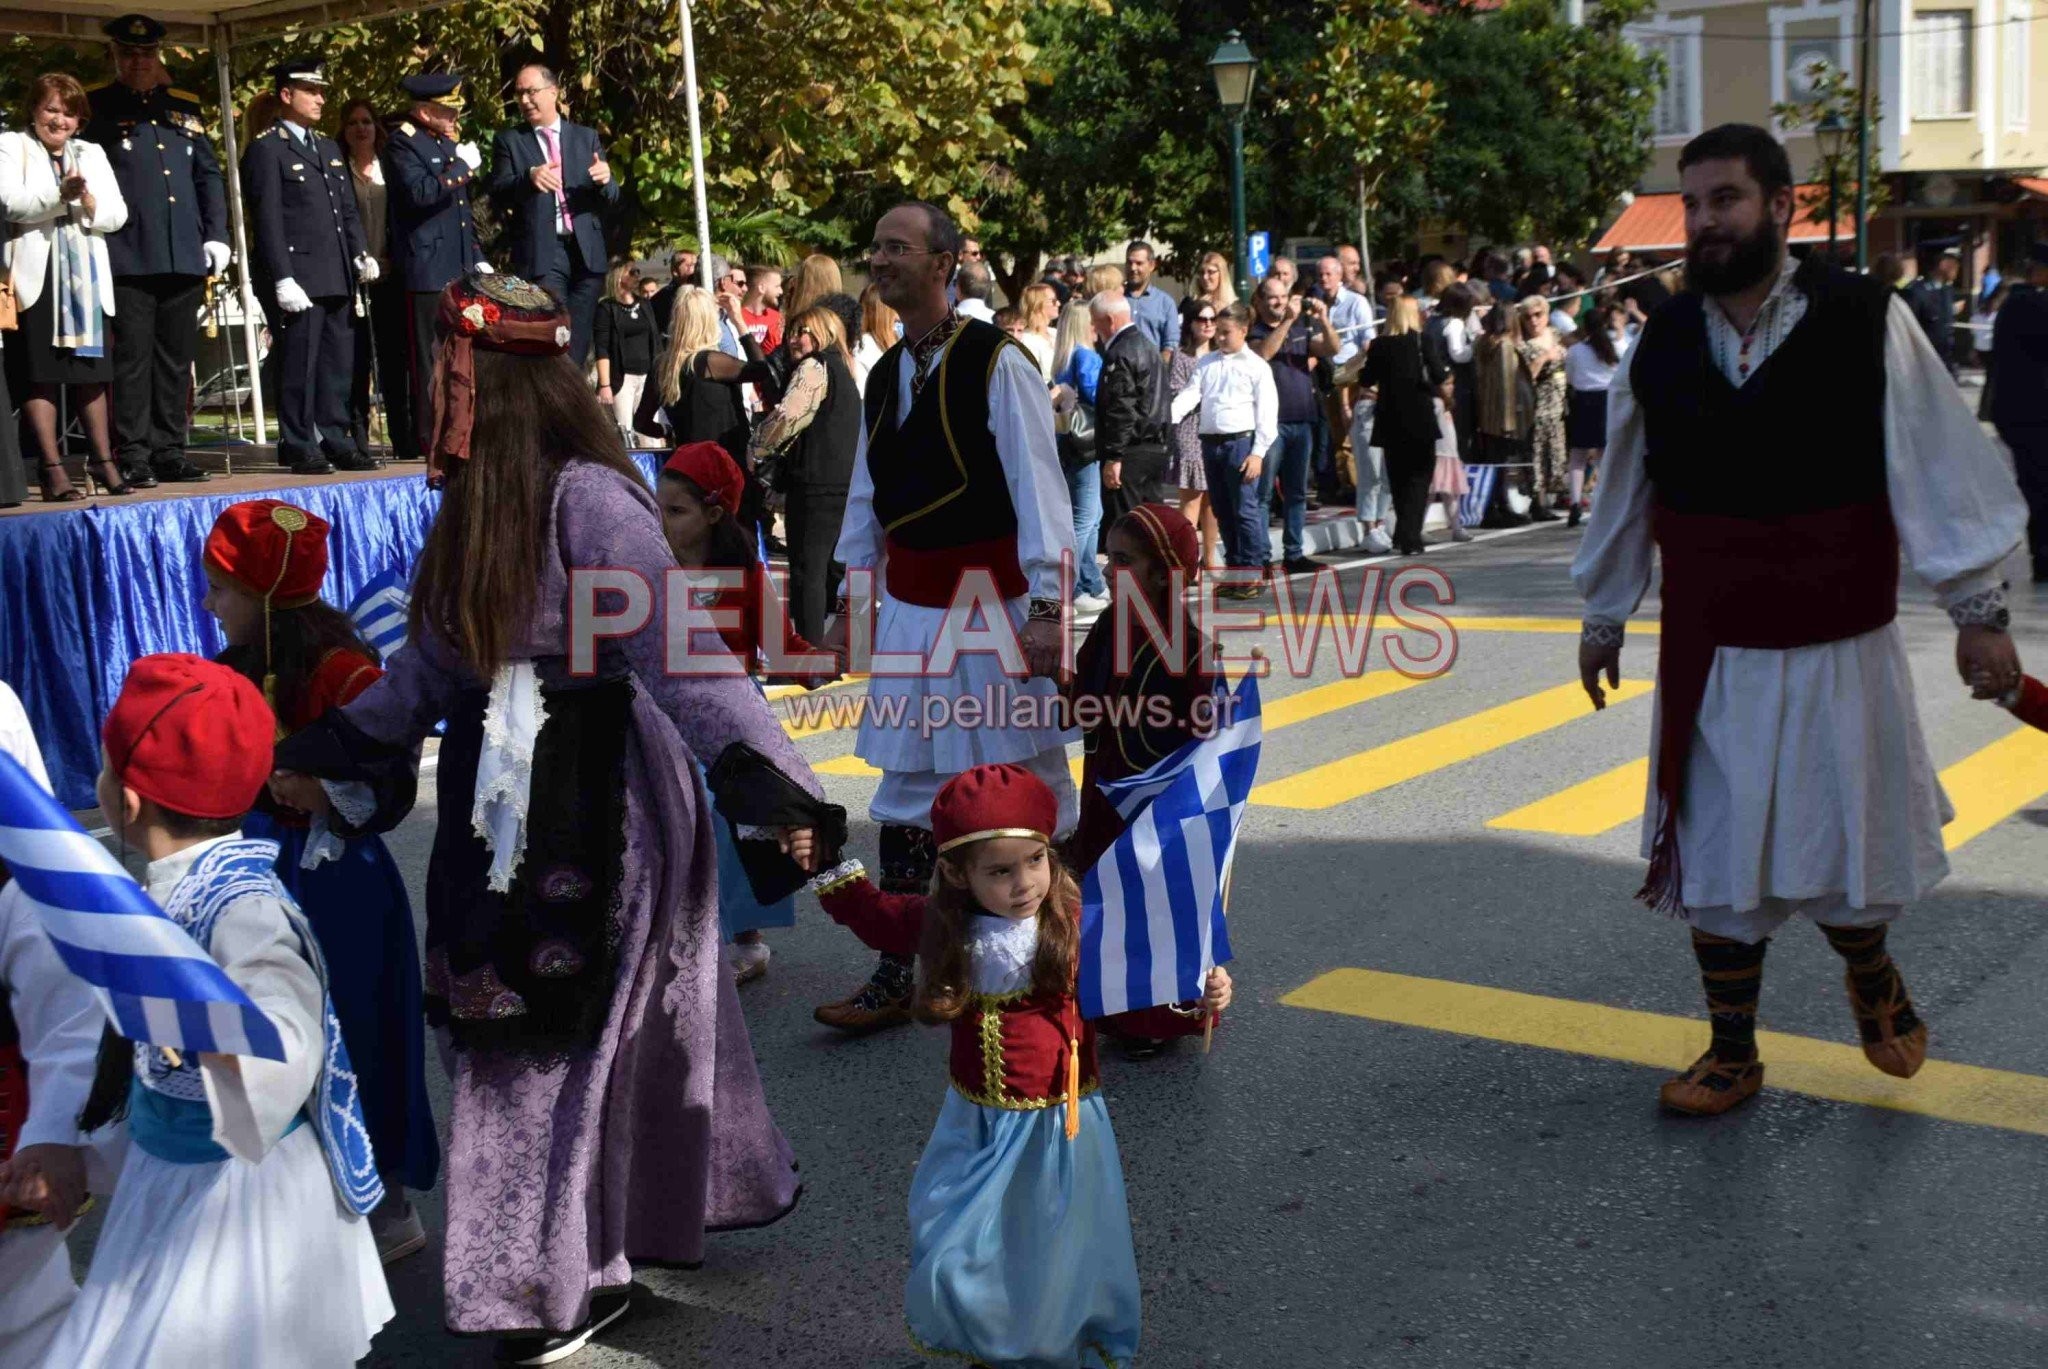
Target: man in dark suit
(176, 236)
(1130, 428)
(427, 178)
(1932, 297)
(551, 183)
(309, 255)
(2019, 395)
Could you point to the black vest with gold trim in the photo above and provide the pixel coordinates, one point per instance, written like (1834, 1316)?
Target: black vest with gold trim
(940, 492)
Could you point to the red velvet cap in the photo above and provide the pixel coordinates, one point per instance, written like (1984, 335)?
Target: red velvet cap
(710, 467)
(993, 801)
(1166, 530)
(190, 735)
(274, 550)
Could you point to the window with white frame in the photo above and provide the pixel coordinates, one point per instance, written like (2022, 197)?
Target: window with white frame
(2017, 37)
(1677, 113)
(1942, 75)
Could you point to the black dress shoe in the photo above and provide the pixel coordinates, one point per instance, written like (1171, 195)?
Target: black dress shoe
(1539, 514)
(1302, 565)
(354, 461)
(139, 476)
(177, 470)
(315, 464)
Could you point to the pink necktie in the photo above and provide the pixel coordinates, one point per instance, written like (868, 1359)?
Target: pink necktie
(561, 199)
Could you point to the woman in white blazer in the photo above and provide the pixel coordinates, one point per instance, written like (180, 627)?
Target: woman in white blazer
(61, 200)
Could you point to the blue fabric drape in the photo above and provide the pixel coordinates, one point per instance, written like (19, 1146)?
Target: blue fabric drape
(87, 592)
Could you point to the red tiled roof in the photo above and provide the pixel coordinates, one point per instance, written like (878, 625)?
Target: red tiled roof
(1656, 223)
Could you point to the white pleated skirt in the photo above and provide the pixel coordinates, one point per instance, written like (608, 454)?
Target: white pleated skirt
(230, 1265)
(1809, 777)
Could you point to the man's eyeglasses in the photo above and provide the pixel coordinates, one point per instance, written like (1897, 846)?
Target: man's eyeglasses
(896, 248)
(527, 93)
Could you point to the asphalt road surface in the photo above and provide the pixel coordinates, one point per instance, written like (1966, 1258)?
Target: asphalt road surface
(1427, 1134)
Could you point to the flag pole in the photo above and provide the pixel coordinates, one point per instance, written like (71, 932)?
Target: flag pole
(1209, 1019)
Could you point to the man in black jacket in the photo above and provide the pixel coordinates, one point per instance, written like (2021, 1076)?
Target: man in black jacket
(309, 254)
(550, 180)
(1932, 297)
(2019, 395)
(1130, 409)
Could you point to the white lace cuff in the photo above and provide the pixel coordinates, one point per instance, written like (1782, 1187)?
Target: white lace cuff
(839, 876)
(504, 771)
(1985, 608)
(354, 800)
(322, 845)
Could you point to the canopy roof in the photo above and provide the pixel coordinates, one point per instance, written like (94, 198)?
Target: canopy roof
(194, 24)
(1656, 223)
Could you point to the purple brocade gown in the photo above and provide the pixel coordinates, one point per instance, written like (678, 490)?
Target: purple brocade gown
(562, 1169)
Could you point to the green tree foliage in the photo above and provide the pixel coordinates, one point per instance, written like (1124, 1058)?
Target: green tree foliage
(1834, 93)
(1372, 109)
(1551, 121)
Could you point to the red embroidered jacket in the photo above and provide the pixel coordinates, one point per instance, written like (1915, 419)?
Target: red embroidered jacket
(746, 637)
(2032, 705)
(1009, 1050)
(341, 675)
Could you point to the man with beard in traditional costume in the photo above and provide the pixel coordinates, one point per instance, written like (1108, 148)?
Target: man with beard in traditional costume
(606, 1102)
(1781, 433)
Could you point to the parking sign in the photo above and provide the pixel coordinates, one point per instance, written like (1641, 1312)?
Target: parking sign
(1258, 255)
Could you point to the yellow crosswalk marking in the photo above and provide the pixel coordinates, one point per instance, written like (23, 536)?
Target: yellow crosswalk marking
(1547, 626)
(1585, 810)
(1797, 1064)
(1992, 785)
(1368, 772)
(1283, 712)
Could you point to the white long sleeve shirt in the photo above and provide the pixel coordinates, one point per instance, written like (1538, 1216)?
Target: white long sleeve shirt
(1809, 777)
(1020, 416)
(1238, 396)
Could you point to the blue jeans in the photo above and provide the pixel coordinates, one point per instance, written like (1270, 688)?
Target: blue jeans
(1084, 488)
(1240, 507)
(1289, 460)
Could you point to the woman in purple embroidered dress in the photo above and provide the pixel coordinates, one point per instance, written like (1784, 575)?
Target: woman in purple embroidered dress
(606, 1101)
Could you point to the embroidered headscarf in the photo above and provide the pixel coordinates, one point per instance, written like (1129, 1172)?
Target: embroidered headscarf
(500, 313)
(1168, 533)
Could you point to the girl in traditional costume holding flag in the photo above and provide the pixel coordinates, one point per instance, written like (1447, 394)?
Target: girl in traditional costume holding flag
(235, 1236)
(265, 561)
(1020, 1236)
(699, 492)
(1139, 696)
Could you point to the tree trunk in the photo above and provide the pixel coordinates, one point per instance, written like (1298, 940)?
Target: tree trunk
(1023, 271)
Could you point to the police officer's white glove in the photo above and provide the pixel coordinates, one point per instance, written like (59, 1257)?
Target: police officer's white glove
(367, 269)
(470, 156)
(484, 268)
(217, 257)
(291, 297)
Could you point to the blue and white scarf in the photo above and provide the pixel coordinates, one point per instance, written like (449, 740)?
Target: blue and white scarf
(241, 867)
(80, 325)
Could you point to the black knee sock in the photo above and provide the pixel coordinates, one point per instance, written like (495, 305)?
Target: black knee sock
(908, 856)
(1870, 964)
(1871, 968)
(1733, 975)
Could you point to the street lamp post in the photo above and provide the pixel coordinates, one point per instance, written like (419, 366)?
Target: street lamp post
(1233, 67)
(1831, 135)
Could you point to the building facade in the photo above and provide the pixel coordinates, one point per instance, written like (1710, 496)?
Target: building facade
(1962, 85)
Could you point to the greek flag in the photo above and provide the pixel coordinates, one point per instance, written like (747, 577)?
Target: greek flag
(1152, 908)
(153, 979)
(1479, 489)
(379, 611)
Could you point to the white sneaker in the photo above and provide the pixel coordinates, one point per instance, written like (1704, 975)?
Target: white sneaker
(1090, 603)
(748, 960)
(1378, 543)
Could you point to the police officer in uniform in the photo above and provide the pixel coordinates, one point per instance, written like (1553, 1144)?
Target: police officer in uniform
(309, 251)
(427, 177)
(176, 236)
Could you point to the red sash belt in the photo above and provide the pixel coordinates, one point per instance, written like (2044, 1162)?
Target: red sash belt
(929, 577)
(1774, 583)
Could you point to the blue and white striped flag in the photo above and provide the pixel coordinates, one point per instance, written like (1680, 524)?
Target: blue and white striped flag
(1152, 922)
(380, 611)
(156, 983)
(1478, 490)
